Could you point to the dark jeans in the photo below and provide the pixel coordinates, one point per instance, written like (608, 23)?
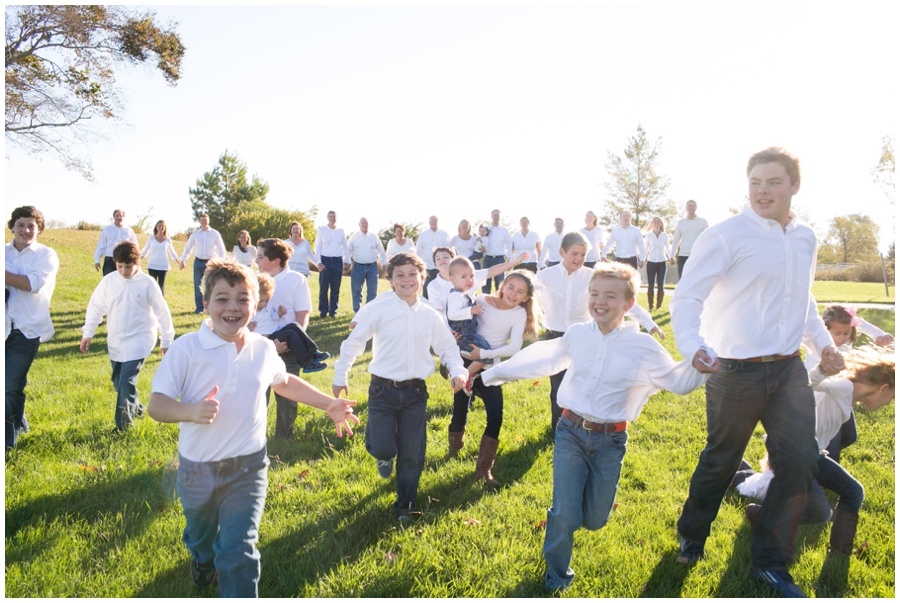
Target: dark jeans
(532, 266)
(199, 269)
(160, 277)
(590, 264)
(109, 265)
(739, 396)
(396, 428)
(493, 260)
(432, 273)
(20, 354)
(682, 260)
(656, 271)
(359, 274)
(493, 405)
(330, 278)
(299, 343)
(285, 409)
(468, 334)
(551, 264)
(834, 477)
(845, 437)
(633, 262)
(555, 381)
(125, 378)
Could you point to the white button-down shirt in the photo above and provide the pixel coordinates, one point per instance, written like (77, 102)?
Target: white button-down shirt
(657, 246)
(747, 292)
(629, 242)
(198, 361)
(331, 243)
(366, 248)
(159, 253)
(608, 377)
(564, 299)
(550, 250)
(499, 242)
(205, 244)
(686, 233)
(401, 337)
(30, 310)
(110, 236)
(527, 243)
(427, 241)
(135, 311)
(596, 238)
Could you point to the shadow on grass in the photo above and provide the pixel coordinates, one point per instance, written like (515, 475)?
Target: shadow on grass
(667, 578)
(832, 581)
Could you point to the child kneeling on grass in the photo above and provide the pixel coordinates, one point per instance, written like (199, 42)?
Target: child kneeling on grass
(135, 310)
(213, 383)
(611, 370)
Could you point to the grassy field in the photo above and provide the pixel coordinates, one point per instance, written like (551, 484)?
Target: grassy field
(93, 514)
(828, 291)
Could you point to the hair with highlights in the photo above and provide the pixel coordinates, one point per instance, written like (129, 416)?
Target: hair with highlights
(232, 273)
(619, 272)
(777, 155)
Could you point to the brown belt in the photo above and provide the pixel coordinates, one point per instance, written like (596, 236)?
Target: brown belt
(601, 427)
(771, 358)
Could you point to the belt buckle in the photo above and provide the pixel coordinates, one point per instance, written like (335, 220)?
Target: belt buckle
(771, 358)
(584, 426)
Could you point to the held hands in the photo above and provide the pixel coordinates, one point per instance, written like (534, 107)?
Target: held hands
(640, 265)
(336, 390)
(832, 361)
(458, 382)
(180, 265)
(205, 410)
(162, 351)
(84, 345)
(885, 339)
(321, 267)
(671, 261)
(704, 364)
(341, 412)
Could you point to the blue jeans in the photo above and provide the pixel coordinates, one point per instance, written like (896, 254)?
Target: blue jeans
(223, 504)
(493, 260)
(160, 277)
(20, 354)
(845, 437)
(656, 273)
(396, 428)
(739, 396)
(199, 269)
(586, 470)
(834, 477)
(360, 273)
(330, 278)
(125, 378)
(300, 345)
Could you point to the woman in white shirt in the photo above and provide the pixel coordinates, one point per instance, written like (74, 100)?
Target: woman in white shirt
(400, 244)
(464, 243)
(159, 248)
(302, 250)
(243, 252)
(509, 315)
(657, 251)
(595, 236)
(529, 242)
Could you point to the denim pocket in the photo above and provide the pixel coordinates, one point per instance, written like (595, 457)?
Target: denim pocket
(728, 366)
(619, 439)
(375, 389)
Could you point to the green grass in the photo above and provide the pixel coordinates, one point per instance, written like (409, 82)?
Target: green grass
(93, 514)
(839, 291)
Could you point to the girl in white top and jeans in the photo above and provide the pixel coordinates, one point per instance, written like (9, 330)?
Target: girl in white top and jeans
(595, 236)
(657, 251)
(159, 248)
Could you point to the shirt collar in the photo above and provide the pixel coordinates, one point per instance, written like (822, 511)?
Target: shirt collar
(627, 328)
(34, 247)
(748, 212)
(209, 339)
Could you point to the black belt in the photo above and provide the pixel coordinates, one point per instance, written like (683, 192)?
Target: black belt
(201, 259)
(551, 334)
(361, 264)
(399, 384)
(494, 256)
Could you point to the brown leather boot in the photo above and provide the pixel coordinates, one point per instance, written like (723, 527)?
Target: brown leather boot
(650, 300)
(752, 512)
(456, 441)
(843, 530)
(486, 454)
(659, 297)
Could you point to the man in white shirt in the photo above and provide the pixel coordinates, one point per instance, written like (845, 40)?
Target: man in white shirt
(550, 251)
(333, 259)
(741, 314)
(109, 237)
(425, 245)
(686, 232)
(628, 240)
(365, 251)
(30, 278)
(499, 247)
(206, 243)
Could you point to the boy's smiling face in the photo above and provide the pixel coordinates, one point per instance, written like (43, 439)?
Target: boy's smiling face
(573, 257)
(406, 280)
(608, 302)
(230, 308)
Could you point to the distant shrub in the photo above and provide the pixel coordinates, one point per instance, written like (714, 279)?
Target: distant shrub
(861, 273)
(85, 225)
(263, 221)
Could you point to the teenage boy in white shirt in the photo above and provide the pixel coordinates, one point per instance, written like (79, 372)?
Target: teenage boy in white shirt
(136, 311)
(550, 251)
(686, 232)
(213, 384)
(366, 250)
(403, 328)
(564, 297)
(205, 243)
(628, 241)
(740, 314)
(499, 248)
(111, 236)
(612, 371)
(30, 278)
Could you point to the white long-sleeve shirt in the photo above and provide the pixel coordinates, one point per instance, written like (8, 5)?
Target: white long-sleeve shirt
(135, 310)
(596, 238)
(204, 244)
(393, 247)
(110, 236)
(29, 311)
(564, 299)
(464, 248)
(427, 241)
(499, 242)
(550, 250)
(401, 338)
(747, 293)
(866, 328)
(528, 242)
(300, 256)
(159, 253)
(629, 242)
(439, 290)
(608, 377)
(686, 233)
(366, 248)
(657, 246)
(834, 403)
(331, 243)
(504, 330)
(247, 258)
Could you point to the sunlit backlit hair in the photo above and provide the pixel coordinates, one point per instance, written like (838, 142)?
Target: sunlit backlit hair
(619, 272)
(656, 220)
(573, 238)
(777, 155)
(402, 259)
(532, 307)
(275, 249)
(232, 273)
(266, 285)
(870, 364)
(126, 252)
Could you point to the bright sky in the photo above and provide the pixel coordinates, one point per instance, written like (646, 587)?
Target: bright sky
(397, 113)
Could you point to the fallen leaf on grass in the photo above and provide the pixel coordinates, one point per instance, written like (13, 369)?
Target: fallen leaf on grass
(471, 521)
(390, 557)
(156, 463)
(541, 525)
(303, 475)
(535, 383)
(615, 506)
(863, 549)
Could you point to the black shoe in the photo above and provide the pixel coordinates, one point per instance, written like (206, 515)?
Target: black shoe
(315, 367)
(203, 574)
(781, 582)
(688, 550)
(407, 515)
(320, 356)
(385, 468)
